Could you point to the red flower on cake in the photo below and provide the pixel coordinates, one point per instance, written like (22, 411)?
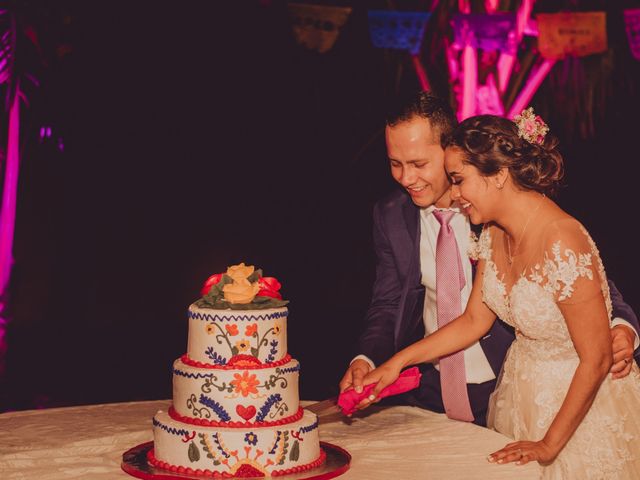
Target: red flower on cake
(212, 280)
(251, 330)
(245, 384)
(231, 329)
(269, 287)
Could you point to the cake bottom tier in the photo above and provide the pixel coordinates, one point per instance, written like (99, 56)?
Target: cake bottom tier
(238, 452)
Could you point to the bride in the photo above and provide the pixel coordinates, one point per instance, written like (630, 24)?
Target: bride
(539, 271)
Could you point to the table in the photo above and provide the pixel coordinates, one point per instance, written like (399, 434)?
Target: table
(87, 442)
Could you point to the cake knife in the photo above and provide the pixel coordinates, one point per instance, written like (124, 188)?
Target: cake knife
(325, 407)
(346, 402)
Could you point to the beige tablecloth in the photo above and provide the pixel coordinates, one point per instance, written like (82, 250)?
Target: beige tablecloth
(395, 443)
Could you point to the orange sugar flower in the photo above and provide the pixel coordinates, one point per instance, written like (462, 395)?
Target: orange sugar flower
(240, 272)
(251, 330)
(231, 329)
(245, 384)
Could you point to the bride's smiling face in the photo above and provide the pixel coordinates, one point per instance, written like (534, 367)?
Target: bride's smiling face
(472, 191)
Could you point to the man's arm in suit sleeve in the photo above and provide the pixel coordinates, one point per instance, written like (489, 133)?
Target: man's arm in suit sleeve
(377, 340)
(623, 314)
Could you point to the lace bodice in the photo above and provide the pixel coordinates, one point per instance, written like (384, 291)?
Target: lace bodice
(532, 304)
(565, 274)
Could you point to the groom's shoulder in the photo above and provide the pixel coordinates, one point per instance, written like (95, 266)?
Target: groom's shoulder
(394, 201)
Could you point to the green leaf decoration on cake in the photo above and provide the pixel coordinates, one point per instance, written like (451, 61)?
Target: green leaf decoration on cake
(194, 453)
(259, 303)
(295, 452)
(242, 287)
(255, 276)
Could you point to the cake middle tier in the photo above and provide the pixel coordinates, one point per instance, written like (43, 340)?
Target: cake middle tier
(220, 396)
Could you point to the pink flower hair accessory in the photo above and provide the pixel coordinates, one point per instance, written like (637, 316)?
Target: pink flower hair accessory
(531, 127)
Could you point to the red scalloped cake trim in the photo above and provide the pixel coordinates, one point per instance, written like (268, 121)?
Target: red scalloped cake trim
(195, 363)
(213, 423)
(217, 474)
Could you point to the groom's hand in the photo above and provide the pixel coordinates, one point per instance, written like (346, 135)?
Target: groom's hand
(622, 339)
(354, 375)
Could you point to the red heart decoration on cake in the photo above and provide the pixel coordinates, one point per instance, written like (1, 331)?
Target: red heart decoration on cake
(246, 412)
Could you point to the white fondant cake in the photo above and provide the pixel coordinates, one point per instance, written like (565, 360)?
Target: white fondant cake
(217, 335)
(235, 395)
(266, 450)
(235, 400)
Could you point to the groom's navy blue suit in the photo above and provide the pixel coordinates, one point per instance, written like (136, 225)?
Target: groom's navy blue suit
(394, 318)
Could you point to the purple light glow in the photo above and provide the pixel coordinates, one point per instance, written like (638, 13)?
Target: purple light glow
(45, 132)
(8, 211)
(452, 62)
(534, 81)
(488, 99)
(469, 82)
(507, 60)
(420, 72)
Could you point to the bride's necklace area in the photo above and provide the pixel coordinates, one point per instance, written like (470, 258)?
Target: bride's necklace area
(524, 229)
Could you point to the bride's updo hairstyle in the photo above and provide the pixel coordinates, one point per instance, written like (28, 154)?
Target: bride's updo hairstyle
(490, 143)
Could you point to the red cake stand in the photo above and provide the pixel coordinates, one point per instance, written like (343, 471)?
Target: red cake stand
(134, 462)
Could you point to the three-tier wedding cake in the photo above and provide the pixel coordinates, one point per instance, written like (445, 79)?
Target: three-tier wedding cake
(235, 405)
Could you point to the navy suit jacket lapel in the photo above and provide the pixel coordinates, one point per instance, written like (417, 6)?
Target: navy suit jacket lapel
(411, 257)
(411, 215)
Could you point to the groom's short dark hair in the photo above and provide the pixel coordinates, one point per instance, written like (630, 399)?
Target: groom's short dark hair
(424, 105)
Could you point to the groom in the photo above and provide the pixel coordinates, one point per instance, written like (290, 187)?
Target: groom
(405, 301)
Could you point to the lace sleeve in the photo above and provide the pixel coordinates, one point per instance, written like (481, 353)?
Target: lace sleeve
(571, 269)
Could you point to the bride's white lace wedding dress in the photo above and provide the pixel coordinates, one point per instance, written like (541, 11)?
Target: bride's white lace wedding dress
(565, 268)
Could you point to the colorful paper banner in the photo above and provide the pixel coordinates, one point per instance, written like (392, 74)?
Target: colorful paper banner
(488, 32)
(632, 22)
(317, 27)
(399, 30)
(573, 33)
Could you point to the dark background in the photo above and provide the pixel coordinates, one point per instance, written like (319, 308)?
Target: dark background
(200, 135)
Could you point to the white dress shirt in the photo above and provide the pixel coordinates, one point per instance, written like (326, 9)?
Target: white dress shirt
(476, 364)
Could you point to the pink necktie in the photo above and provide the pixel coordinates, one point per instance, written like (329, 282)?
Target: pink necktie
(449, 283)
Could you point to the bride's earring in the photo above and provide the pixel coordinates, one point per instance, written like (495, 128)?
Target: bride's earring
(501, 178)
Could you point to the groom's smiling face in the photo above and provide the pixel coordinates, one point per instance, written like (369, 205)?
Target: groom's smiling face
(417, 161)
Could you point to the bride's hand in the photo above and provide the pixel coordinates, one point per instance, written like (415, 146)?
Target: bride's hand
(383, 376)
(524, 452)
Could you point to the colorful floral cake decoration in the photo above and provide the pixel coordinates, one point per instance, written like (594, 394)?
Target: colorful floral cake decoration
(241, 287)
(531, 127)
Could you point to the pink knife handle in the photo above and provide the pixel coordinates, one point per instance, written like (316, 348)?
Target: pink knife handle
(408, 380)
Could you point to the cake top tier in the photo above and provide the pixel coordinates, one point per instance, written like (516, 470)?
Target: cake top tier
(236, 338)
(241, 287)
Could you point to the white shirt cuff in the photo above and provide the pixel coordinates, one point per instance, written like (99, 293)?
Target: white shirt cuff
(619, 321)
(368, 360)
